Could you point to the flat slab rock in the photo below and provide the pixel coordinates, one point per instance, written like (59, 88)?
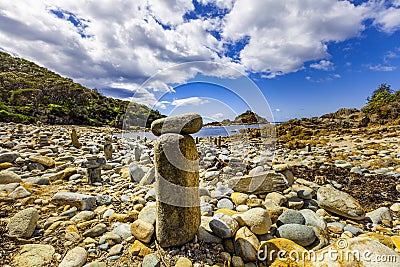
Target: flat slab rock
(81, 201)
(188, 123)
(340, 203)
(264, 182)
(34, 255)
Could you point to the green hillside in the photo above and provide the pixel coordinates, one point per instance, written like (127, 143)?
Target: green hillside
(30, 93)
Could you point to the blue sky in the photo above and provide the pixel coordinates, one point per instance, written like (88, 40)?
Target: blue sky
(282, 59)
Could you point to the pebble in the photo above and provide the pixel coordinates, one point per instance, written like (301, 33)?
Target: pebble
(291, 217)
(239, 198)
(256, 219)
(246, 244)
(136, 173)
(82, 216)
(95, 231)
(223, 225)
(151, 260)
(225, 203)
(142, 230)
(148, 214)
(183, 262)
(378, 215)
(76, 257)
(395, 207)
(115, 250)
(312, 219)
(300, 234)
(123, 230)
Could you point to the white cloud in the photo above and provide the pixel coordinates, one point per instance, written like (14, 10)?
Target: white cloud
(225, 4)
(217, 115)
(292, 33)
(277, 110)
(385, 18)
(195, 101)
(323, 65)
(380, 67)
(123, 43)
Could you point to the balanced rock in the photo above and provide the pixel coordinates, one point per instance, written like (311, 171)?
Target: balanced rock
(183, 124)
(177, 189)
(23, 223)
(340, 203)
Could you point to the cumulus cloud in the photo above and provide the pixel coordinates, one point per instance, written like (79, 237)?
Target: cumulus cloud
(194, 101)
(323, 65)
(386, 18)
(143, 46)
(292, 33)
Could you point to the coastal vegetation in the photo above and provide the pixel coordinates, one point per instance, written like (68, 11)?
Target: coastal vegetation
(30, 94)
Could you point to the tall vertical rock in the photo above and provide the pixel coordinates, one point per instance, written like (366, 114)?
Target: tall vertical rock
(177, 180)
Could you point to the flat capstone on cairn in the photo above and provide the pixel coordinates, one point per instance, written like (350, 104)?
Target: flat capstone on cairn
(177, 179)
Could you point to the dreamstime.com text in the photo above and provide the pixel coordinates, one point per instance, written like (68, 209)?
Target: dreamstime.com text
(331, 254)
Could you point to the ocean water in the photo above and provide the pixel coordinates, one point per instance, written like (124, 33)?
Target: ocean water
(204, 132)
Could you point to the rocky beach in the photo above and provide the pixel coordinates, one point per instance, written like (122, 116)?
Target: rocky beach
(83, 196)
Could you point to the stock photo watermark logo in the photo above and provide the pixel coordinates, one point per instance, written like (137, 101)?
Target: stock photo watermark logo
(340, 252)
(232, 96)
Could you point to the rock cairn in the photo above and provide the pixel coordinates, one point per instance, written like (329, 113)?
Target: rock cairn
(74, 139)
(43, 140)
(108, 149)
(177, 179)
(93, 164)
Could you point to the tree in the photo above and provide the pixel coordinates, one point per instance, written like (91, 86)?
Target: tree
(383, 92)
